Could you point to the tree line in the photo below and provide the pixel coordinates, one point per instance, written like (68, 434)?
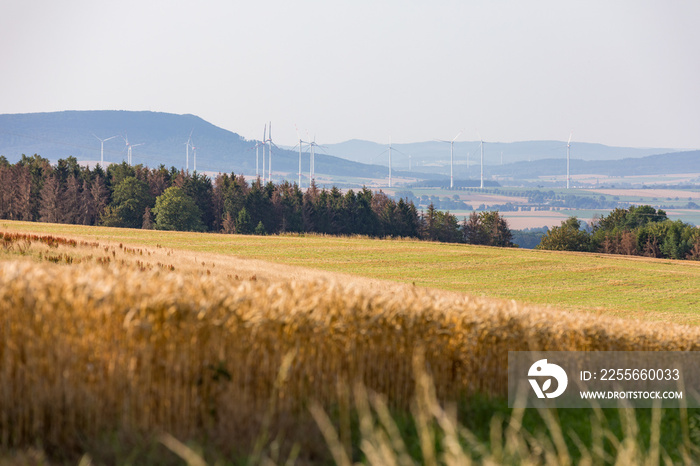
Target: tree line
(170, 199)
(637, 230)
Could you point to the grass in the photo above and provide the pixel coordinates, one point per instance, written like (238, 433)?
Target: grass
(640, 288)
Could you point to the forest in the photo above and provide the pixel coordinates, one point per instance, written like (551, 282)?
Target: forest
(170, 199)
(637, 230)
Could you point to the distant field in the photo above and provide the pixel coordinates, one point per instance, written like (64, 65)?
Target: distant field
(523, 220)
(592, 179)
(661, 194)
(614, 285)
(673, 200)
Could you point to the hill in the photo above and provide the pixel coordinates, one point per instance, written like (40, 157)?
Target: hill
(660, 164)
(163, 135)
(436, 154)
(159, 138)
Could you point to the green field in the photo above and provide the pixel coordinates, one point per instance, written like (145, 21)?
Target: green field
(649, 289)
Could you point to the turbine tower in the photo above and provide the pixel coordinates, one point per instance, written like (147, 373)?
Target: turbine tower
(263, 144)
(102, 148)
(300, 149)
(269, 165)
(299, 182)
(390, 161)
(452, 159)
(194, 157)
(568, 147)
(381, 153)
(391, 149)
(188, 144)
(312, 157)
(481, 144)
(257, 158)
(129, 147)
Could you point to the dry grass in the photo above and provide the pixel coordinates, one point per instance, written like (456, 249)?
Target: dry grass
(127, 345)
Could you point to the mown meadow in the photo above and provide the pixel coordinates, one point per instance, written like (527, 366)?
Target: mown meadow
(118, 342)
(636, 287)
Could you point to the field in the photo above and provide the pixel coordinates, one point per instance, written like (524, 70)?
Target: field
(594, 283)
(115, 335)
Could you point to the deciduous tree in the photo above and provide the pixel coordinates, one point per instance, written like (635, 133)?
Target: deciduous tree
(175, 210)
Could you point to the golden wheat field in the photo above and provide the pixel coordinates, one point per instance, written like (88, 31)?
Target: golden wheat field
(106, 337)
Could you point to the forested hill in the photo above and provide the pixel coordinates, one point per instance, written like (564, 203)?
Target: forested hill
(58, 135)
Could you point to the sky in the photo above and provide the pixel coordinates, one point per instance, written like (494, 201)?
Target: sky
(624, 73)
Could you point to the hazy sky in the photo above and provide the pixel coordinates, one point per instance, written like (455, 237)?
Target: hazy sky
(615, 72)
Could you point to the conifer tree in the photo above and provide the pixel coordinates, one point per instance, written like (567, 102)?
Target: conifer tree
(49, 207)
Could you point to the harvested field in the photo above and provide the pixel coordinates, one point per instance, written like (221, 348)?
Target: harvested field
(635, 287)
(661, 194)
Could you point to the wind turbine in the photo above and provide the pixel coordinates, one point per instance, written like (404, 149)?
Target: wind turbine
(381, 153)
(263, 143)
(257, 156)
(188, 144)
(568, 147)
(102, 148)
(312, 155)
(452, 159)
(269, 165)
(391, 149)
(481, 144)
(194, 156)
(312, 158)
(300, 148)
(390, 161)
(129, 147)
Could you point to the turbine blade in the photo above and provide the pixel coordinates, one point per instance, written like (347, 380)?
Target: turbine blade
(381, 153)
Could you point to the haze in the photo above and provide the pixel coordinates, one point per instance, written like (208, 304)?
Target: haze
(619, 73)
